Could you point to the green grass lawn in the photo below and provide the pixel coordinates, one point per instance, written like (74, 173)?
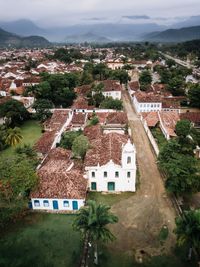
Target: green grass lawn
(108, 199)
(41, 240)
(31, 132)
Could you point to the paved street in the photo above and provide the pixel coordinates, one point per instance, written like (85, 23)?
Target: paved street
(142, 216)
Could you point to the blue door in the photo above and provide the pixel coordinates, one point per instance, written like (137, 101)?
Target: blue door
(75, 205)
(55, 204)
(30, 205)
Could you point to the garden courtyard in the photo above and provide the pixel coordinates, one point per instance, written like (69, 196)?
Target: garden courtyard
(31, 131)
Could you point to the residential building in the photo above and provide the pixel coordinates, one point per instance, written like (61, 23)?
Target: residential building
(62, 186)
(146, 102)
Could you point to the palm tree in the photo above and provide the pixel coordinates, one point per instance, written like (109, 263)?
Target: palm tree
(13, 136)
(188, 230)
(92, 221)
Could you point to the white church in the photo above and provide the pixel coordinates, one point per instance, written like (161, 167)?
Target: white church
(111, 164)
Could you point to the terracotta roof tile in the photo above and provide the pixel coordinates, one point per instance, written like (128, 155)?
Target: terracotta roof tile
(59, 178)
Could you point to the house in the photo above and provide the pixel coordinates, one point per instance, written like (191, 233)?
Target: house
(79, 121)
(111, 88)
(133, 87)
(193, 117)
(146, 102)
(168, 121)
(62, 186)
(110, 164)
(115, 122)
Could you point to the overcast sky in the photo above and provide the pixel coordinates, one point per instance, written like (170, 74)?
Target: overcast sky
(62, 12)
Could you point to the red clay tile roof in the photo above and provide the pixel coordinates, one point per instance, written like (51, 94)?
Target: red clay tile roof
(57, 120)
(169, 120)
(82, 90)
(134, 85)
(151, 118)
(93, 132)
(191, 116)
(78, 118)
(107, 147)
(117, 118)
(57, 180)
(80, 103)
(43, 145)
(111, 85)
(143, 97)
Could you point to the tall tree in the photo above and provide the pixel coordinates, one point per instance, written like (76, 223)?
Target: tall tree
(188, 229)
(14, 112)
(194, 96)
(13, 137)
(92, 220)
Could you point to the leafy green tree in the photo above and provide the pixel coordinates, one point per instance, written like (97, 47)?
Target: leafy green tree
(94, 120)
(188, 229)
(42, 107)
(194, 95)
(145, 79)
(92, 221)
(176, 86)
(180, 168)
(80, 146)
(13, 136)
(17, 177)
(14, 112)
(68, 138)
(170, 63)
(27, 151)
(183, 128)
(3, 133)
(110, 103)
(121, 75)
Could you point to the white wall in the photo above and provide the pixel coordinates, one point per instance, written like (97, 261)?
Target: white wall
(122, 183)
(113, 94)
(146, 107)
(81, 203)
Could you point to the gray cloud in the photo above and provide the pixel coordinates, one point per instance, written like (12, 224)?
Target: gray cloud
(65, 12)
(136, 17)
(95, 19)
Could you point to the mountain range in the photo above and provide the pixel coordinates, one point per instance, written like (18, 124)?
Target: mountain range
(106, 32)
(8, 39)
(175, 35)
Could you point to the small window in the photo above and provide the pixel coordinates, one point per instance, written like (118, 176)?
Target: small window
(116, 174)
(128, 174)
(36, 203)
(46, 203)
(66, 203)
(105, 174)
(93, 174)
(128, 160)
(94, 186)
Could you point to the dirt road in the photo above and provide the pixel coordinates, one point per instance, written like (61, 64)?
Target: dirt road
(142, 216)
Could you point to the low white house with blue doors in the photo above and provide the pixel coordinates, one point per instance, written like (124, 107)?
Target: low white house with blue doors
(62, 186)
(110, 164)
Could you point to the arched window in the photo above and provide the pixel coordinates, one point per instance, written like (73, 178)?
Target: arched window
(128, 160)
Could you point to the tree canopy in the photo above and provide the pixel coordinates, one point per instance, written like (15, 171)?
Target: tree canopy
(14, 112)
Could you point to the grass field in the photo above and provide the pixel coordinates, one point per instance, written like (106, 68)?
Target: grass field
(41, 240)
(108, 199)
(31, 132)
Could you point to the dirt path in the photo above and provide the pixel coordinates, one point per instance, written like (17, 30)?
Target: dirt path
(142, 216)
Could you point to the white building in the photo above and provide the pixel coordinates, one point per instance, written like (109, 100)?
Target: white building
(62, 186)
(112, 89)
(146, 102)
(111, 164)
